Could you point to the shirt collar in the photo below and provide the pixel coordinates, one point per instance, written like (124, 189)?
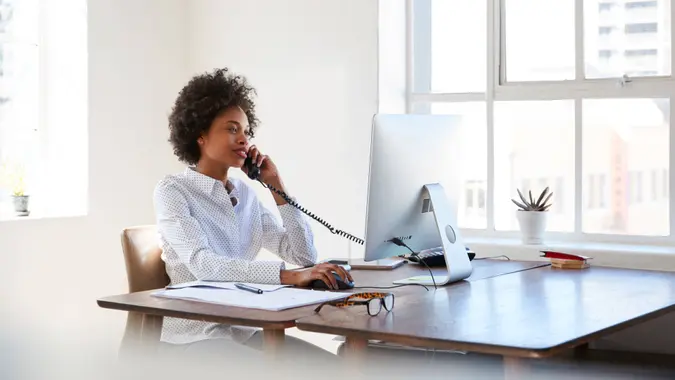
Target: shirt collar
(204, 182)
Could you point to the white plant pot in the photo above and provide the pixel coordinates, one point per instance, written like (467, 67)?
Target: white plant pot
(21, 205)
(532, 226)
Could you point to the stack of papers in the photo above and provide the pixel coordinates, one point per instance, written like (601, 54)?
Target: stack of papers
(274, 297)
(225, 285)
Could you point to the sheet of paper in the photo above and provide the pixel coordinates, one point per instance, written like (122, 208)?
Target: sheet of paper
(282, 299)
(225, 285)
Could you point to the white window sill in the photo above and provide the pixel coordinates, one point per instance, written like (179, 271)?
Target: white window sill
(650, 257)
(7, 214)
(35, 216)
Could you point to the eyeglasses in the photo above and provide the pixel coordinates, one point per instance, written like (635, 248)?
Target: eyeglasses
(373, 301)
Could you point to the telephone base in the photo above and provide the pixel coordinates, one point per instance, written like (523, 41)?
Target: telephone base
(423, 280)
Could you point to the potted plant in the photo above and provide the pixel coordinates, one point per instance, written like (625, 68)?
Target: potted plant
(15, 179)
(532, 216)
(20, 198)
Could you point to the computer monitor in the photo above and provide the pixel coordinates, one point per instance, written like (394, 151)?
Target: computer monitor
(413, 191)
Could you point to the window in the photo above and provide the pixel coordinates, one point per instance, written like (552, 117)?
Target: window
(19, 123)
(559, 205)
(473, 212)
(577, 100)
(473, 131)
(596, 196)
(641, 4)
(640, 52)
(644, 73)
(43, 105)
(539, 48)
(636, 187)
(664, 183)
(443, 36)
(475, 195)
(518, 126)
(650, 27)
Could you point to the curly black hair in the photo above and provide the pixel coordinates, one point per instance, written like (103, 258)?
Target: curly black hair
(202, 100)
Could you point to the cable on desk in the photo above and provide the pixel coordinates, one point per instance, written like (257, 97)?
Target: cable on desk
(400, 243)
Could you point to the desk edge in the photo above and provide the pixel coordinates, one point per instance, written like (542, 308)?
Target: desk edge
(434, 343)
(238, 321)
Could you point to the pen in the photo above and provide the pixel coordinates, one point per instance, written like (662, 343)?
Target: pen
(248, 288)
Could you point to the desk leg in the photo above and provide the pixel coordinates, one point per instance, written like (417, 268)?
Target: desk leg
(273, 341)
(151, 330)
(515, 368)
(355, 355)
(355, 349)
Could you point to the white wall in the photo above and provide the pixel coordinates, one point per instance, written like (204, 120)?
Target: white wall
(53, 270)
(317, 83)
(314, 65)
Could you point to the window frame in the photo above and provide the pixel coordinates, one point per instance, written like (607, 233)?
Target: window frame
(419, 99)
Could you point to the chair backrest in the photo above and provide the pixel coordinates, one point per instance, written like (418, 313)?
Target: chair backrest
(142, 256)
(145, 271)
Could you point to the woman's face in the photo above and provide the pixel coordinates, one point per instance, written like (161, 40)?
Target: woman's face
(226, 141)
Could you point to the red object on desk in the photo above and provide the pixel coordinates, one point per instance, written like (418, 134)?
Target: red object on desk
(564, 256)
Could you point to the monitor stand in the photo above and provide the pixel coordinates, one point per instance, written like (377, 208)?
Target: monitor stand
(456, 259)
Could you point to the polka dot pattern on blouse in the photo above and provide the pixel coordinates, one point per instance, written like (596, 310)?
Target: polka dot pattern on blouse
(209, 234)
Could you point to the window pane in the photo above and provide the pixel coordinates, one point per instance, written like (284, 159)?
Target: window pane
(539, 40)
(632, 38)
(626, 141)
(19, 21)
(458, 63)
(18, 111)
(472, 207)
(534, 149)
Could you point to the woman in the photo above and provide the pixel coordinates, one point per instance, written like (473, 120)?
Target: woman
(212, 226)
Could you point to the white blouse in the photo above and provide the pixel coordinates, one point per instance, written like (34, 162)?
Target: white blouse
(205, 237)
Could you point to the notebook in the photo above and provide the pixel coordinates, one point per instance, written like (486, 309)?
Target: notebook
(280, 299)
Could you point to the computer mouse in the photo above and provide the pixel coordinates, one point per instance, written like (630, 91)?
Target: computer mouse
(342, 285)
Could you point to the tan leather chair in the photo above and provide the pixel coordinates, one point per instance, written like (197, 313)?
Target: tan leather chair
(145, 271)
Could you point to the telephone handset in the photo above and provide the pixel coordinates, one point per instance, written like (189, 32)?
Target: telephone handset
(253, 170)
(254, 174)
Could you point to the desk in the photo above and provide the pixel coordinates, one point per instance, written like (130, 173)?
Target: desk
(274, 323)
(529, 314)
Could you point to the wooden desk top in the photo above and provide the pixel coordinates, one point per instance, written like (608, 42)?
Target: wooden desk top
(533, 313)
(143, 302)
(482, 269)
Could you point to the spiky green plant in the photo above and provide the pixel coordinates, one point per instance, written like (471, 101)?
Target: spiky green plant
(530, 205)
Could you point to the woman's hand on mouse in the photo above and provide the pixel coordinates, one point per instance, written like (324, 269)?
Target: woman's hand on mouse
(323, 272)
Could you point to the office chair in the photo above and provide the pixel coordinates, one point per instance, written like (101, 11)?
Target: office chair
(145, 271)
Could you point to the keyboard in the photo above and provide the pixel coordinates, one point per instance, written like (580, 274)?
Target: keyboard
(434, 257)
